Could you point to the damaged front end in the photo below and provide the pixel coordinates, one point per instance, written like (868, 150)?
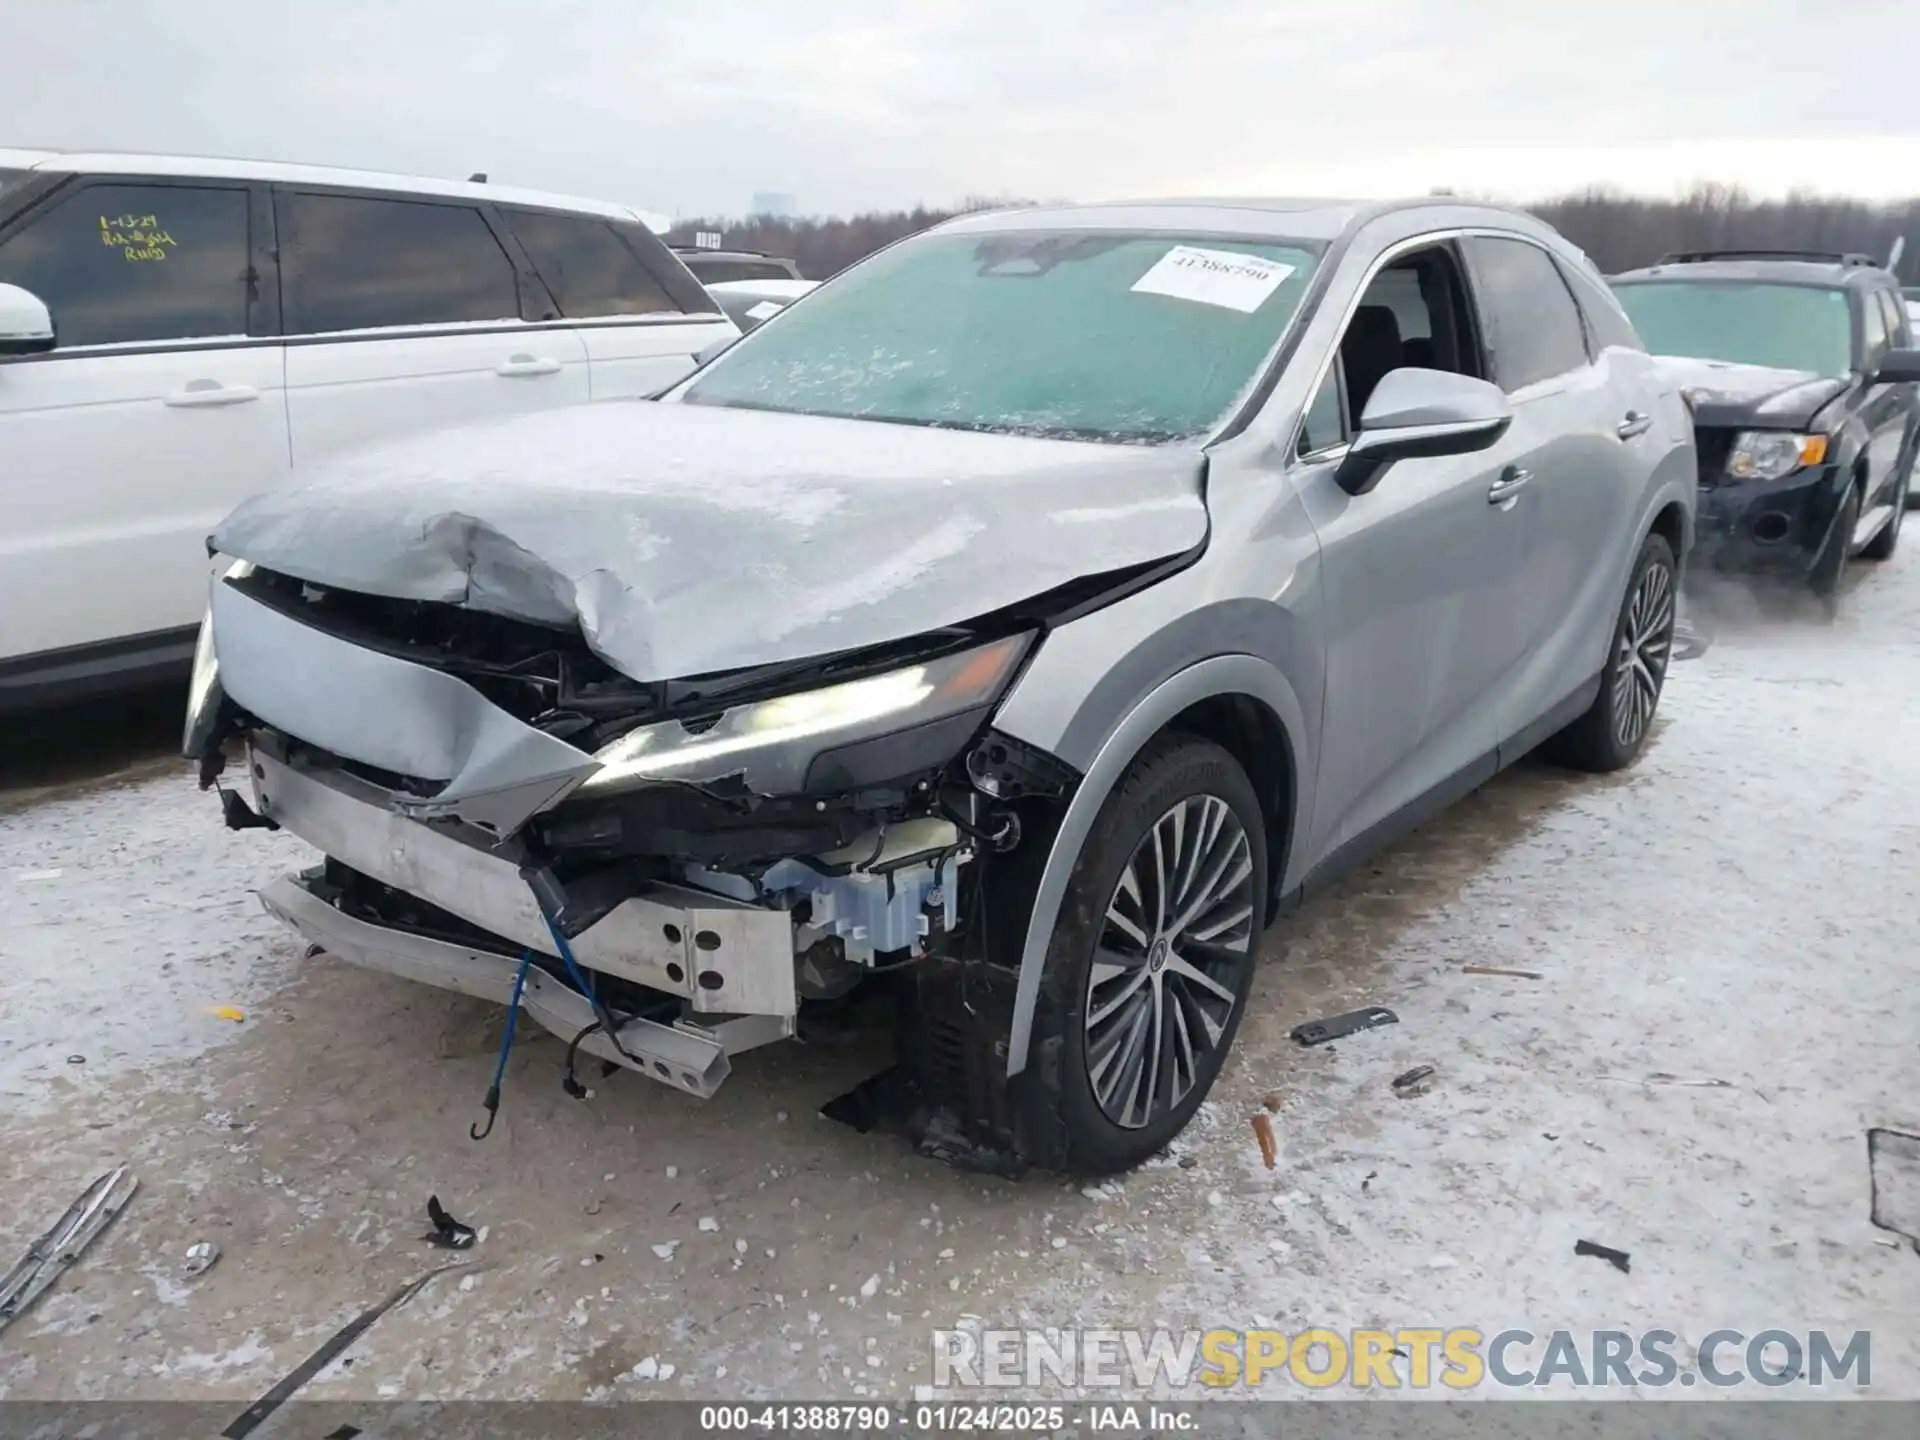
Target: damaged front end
(664, 873)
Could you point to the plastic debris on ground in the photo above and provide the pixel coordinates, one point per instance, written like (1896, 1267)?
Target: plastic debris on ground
(1417, 1081)
(55, 1252)
(258, 1413)
(200, 1258)
(447, 1233)
(1619, 1259)
(1319, 1032)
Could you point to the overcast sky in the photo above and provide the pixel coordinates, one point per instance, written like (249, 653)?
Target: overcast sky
(691, 106)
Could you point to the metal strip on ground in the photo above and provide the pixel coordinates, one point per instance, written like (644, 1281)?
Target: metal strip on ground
(257, 1413)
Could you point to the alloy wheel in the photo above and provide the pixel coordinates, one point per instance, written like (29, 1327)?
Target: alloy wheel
(1173, 954)
(1640, 661)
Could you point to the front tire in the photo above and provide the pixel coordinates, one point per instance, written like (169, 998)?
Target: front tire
(1151, 959)
(1609, 736)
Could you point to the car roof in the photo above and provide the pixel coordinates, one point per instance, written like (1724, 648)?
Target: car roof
(216, 167)
(1307, 219)
(1824, 274)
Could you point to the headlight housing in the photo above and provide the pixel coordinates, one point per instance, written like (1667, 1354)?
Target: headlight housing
(1770, 454)
(773, 741)
(203, 686)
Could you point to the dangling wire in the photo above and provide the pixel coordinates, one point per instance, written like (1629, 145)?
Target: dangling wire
(600, 1011)
(492, 1102)
(569, 1082)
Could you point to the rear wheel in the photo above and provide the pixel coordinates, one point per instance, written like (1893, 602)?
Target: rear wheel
(1615, 726)
(1151, 960)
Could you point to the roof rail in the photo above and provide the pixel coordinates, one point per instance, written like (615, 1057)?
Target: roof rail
(1850, 259)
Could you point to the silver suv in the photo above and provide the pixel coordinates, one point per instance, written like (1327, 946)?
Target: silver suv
(1022, 622)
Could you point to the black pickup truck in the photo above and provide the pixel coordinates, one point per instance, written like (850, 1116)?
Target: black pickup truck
(1805, 391)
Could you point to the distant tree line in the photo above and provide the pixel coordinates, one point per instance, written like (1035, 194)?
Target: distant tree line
(1617, 231)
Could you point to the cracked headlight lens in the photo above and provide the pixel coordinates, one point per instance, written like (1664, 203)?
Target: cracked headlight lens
(811, 720)
(1769, 454)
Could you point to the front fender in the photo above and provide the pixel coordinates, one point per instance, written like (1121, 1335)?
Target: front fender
(1220, 675)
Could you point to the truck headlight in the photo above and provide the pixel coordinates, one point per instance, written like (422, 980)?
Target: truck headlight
(781, 735)
(1769, 454)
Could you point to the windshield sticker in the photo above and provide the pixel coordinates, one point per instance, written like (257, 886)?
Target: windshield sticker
(1214, 277)
(765, 309)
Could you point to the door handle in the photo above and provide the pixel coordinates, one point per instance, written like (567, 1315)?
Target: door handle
(209, 395)
(1634, 424)
(1508, 487)
(515, 366)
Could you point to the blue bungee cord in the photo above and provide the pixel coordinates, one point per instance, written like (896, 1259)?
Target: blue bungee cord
(602, 1022)
(492, 1102)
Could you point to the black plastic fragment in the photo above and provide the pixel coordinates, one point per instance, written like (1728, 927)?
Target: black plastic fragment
(1319, 1032)
(240, 816)
(448, 1233)
(1619, 1259)
(262, 1409)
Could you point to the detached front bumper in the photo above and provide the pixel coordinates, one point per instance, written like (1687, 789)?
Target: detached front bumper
(689, 1057)
(1766, 527)
(721, 956)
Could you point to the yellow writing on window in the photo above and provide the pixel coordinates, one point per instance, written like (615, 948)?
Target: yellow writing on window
(137, 237)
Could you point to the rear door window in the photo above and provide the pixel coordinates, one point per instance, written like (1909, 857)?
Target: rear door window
(350, 262)
(1607, 323)
(587, 267)
(1528, 312)
(118, 264)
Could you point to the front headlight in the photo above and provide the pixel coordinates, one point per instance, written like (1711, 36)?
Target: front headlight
(773, 741)
(1769, 454)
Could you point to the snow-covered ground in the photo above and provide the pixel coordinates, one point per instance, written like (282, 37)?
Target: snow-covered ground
(1725, 939)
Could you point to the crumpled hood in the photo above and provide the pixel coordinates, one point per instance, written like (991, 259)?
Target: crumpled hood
(685, 540)
(1726, 394)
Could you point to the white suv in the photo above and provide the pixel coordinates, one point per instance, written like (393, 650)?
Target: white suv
(176, 334)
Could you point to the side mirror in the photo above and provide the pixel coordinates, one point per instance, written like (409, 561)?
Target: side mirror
(1898, 366)
(1414, 412)
(26, 325)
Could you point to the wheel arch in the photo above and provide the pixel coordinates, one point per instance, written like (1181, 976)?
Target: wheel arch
(1242, 703)
(1674, 525)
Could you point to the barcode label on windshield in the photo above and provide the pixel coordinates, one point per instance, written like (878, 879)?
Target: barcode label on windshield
(1214, 277)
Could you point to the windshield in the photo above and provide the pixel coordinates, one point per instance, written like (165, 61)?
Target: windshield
(11, 178)
(1095, 336)
(1789, 327)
